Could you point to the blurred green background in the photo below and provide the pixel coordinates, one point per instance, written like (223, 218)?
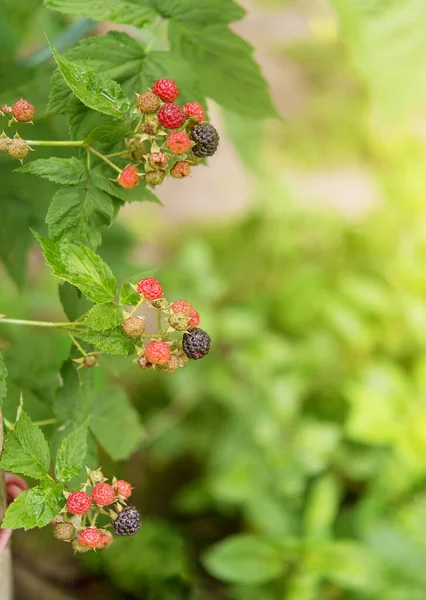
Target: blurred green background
(291, 463)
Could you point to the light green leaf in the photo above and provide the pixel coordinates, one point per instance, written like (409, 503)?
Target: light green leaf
(244, 559)
(116, 424)
(114, 11)
(322, 507)
(112, 341)
(26, 450)
(104, 316)
(3, 377)
(68, 171)
(71, 454)
(79, 213)
(80, 266)
(94, 90)
(109, 133)
(128, 296)
(35, 507)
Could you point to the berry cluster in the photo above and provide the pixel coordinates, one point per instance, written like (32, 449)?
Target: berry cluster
(20, 112)
(164, 349)
(78, 522)
(170, 139)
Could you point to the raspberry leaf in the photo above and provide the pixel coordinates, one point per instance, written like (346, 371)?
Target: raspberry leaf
(79, 265)
(26, 450)
(68, 171)
(96, 92)
(35, 507)
(112, 341)
(71, 454)
(128, 296)
(109, 132)
(3, 377)
(244, 559)
(114, 11)
(104, 316)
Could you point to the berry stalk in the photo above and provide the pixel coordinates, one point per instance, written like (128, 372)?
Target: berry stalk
(39, 323)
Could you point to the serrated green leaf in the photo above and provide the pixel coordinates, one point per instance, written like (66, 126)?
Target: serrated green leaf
(128, 296)
(109, 133)
(68, 171)
(26, 450)
(104, 316)
(114, 11)
(113, 341)
(79, 265)
(35, 507)
(116, 424)
(71, 454)
(244, 559)
(3, 378)
(79, 213)
(93, 90)
(74, 303)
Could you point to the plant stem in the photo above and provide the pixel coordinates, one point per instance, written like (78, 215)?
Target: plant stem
(51, 421)
(122, 153)
(135, 308)
(38, 323)
(159, 320)
(111, 164)
(55, 143)
(80, 348)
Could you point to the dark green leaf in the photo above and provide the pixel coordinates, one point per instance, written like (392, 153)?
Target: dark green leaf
(80, 266)
(68, 171)
(72, 300)
(113, 341)
(26, 450)
(116, 423)
(96, 92)
(35, 507)
(104, 316)
(244, 559)
(114, 11)
(71, 454)
(109, 133)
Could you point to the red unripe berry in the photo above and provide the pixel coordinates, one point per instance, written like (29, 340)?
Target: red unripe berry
(157, 353)
(194, 110)
(178, 142)
(166, 89)
(103, 494)
(129, 177)
(124, 488)
(181, 169)
(182, 306)
(150, 288)
(89, 537)
(171, 116)
(6, 110)
(78, 503)
(195, 319)
(23, 111)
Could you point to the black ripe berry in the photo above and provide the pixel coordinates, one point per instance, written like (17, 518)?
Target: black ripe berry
(196, 343)
(128, 522)
(206, 140)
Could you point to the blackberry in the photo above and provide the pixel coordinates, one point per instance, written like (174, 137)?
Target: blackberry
(206, 140)
(128, 522)
(196, 343)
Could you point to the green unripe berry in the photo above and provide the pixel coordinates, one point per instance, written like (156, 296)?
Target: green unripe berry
(64, 531)
(179, 321)
(134, 327)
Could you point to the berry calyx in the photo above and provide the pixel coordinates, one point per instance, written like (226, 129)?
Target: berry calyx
(157, 353)
(77, 547)
(129, 177)
(134, 327)
(91, 360)
(103, 494)
(195, 319)
(166, 89)
(64, 531)
(158, 160)
(123, 488)
(178, 142)
(194, 110)
(23, 111)
(171, 365)
(179, 321)
(89, 537)
(150, 127)
(18, 148)
(182, 306)
(180, 170)
(137, 149)
(206, 140)
(148, 103)
(196, 343)
(171, 116)
(95, 476)
(128, 522)
(150, 288)
(155, 177)
(78, 503)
